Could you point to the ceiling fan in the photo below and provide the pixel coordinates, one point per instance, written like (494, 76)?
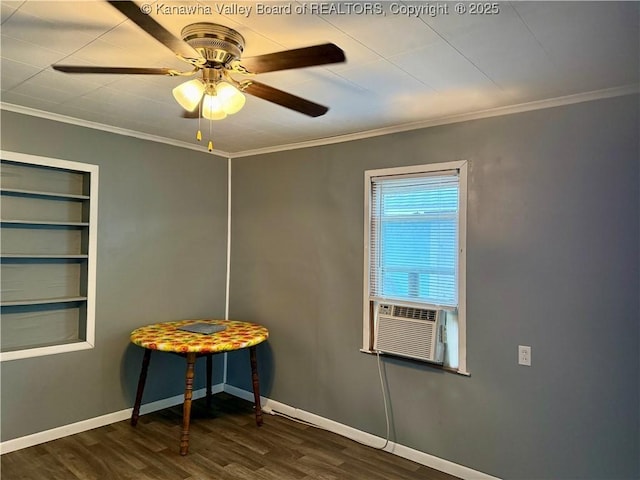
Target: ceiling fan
(214, 53)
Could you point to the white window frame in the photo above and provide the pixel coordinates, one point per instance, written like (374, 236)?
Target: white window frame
(461, 166)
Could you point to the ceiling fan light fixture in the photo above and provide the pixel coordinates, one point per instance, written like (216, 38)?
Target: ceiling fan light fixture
(231, 98)
(189, 94)
(215, 51)
(212, 108)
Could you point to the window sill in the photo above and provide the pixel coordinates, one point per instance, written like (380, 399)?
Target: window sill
(432, 365)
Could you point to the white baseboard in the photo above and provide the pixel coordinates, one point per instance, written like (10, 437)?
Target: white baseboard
(269, 406)
(273, 407)
(91, 423)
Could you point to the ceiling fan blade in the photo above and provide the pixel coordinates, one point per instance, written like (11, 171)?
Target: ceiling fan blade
(117, 70)
(134, 13)
(297, 58)
(285, 99)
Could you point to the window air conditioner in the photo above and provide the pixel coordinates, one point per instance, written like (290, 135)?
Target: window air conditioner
(417, 333)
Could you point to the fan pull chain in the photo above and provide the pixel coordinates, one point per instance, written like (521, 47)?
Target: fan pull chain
(199, 134)
(210, 146)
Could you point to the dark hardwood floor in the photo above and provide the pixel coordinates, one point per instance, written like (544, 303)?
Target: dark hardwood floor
(225, 444)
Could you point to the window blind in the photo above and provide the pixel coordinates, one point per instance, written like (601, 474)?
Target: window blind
(414, 238)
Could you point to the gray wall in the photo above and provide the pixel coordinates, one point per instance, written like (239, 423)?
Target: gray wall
(162, 232)
(553, 261)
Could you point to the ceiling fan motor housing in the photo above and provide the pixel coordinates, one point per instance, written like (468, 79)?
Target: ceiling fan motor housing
(216, 43)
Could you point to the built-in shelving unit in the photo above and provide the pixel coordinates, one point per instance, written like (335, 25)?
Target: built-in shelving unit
(48, 258)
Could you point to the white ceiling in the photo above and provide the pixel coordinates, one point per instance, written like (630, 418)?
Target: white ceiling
(401, 71)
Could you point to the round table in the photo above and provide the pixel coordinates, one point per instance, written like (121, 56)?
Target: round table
(169, 337)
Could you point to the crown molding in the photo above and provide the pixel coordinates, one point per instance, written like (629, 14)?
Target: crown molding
(106, 128)
(464, 117)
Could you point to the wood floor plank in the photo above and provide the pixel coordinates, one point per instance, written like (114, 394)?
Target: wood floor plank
(225, 444)
(25, 465)
(278, 469)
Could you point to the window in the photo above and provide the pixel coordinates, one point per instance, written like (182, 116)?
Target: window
(49, 215)
(415, 247)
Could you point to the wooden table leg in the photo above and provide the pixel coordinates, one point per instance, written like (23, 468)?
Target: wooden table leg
(209, 379)
(141, 381)
(256, 384)
(186, 409)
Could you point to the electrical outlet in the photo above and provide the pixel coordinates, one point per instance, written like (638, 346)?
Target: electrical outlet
(524, 355)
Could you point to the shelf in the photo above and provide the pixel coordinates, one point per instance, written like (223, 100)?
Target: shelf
(35, 193)
(12, 350)
(45, 223)
(49, 348)
(43, 256)
(41, 301)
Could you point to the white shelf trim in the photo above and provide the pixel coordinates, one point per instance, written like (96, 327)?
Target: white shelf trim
(44, 256)
(44, 222)
(41, 301)
(37, 193)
